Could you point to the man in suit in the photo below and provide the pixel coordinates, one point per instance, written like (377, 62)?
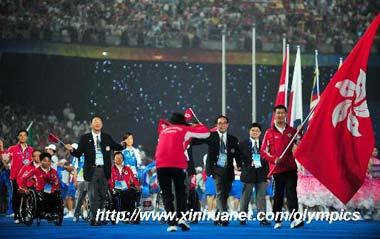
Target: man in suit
(223, 148)
(96, 147)
(253, 173)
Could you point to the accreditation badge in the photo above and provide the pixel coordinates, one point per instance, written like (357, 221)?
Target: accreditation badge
(256, 160)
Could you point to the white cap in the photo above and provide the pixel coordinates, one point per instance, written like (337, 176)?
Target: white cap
(52, 147)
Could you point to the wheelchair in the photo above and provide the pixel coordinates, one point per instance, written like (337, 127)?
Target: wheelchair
(114, 202)
(32, 207)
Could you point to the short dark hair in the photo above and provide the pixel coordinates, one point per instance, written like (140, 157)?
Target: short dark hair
(126, 135)
(36, 150)
(96, 116)
(45, 155)
(255, 125)
(283, 107)
(178, 118)
(222, 116)
(21, 131)
(117, 153)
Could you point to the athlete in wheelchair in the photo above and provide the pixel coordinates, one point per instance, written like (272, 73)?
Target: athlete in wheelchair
(124, 187)
(40, 189)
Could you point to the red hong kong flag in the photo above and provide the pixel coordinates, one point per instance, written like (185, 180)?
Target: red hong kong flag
(339, 141)
(189, 114)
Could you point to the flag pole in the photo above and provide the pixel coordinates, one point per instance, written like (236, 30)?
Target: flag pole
(224, 70)
(287, 75)
(298, 131)
(60, 141)
(29, 126)
(317, 72)
(340, 62)
(283, 48)
(254, 96)
(195, 115)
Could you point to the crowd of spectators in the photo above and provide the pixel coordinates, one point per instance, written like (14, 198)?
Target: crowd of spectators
(189, 23)
(15, 117)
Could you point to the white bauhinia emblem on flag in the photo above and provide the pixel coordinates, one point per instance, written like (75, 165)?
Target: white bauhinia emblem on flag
(351, 108)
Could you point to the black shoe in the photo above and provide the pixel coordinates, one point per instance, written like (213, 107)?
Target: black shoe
(265, 223)
(183, 225)
(224, 223)
(135, 222)
(243, 223)
(93, 222)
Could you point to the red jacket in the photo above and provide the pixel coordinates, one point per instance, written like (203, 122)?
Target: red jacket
(42, 178)
(24, 182)
(126, 175)
(274, 143)
(17, 157)
(172, 144)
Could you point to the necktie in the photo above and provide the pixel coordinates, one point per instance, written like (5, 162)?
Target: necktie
(222, 145)
(97, 142)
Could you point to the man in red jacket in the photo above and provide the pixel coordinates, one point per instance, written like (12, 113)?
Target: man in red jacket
(283, 169)
(124, 183)
(23, 182)
(20, 154)
(171, 163)
(46, 185)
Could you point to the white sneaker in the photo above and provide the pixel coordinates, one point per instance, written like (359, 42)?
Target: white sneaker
(296, 223)
(183, 225)
(17, 221)
(277, 225)
(171, 229)
(85, 214)
(69, 215)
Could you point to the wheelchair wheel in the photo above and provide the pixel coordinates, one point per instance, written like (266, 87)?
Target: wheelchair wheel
(28, 207)
(58, 218)
(109, 203)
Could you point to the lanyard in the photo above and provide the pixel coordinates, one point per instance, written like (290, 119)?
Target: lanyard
(25, 153)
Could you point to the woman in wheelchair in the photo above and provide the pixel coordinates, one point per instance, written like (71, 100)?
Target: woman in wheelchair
(40, 190)
(124, 186)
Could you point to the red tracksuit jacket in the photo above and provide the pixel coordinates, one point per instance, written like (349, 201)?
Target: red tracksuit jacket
(274, 143)
(126, 175)
(24, 182)
(172, 144)
(18, 157)
(42, 178)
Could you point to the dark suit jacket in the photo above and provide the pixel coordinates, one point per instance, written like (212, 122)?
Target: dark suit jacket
(249, 174)
(86, 146)
(190, 163)
(233, 151)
